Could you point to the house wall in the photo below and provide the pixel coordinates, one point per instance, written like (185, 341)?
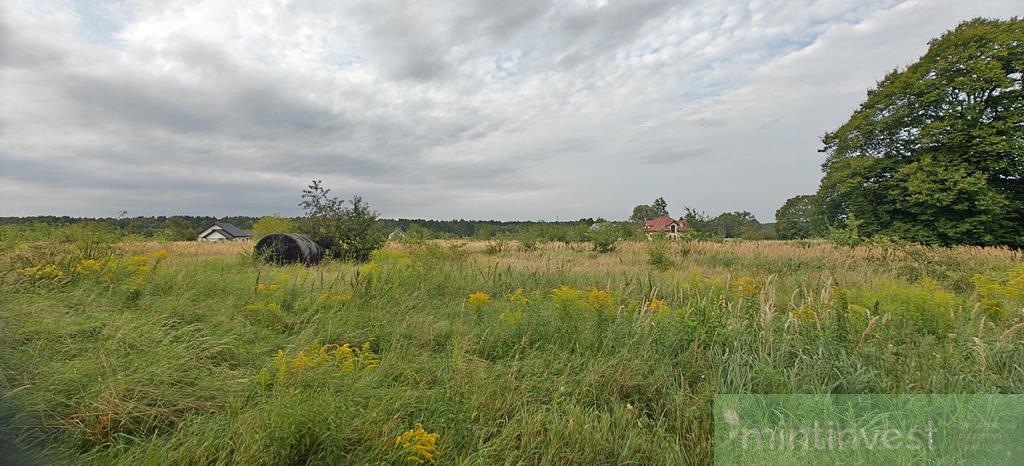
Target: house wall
(214, 236)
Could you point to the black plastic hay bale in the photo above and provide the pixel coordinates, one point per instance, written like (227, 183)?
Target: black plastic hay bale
(289, 248)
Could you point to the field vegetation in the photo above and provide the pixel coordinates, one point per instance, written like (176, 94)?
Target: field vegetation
(472, 352)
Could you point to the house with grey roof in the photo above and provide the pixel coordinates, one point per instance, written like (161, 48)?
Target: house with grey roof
(224, 232)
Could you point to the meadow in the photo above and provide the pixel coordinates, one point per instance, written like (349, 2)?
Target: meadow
(474, 352)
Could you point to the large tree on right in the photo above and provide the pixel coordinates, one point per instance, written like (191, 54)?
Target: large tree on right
(936, 152)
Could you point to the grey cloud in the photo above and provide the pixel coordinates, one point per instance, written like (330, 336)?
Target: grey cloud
(136, 103)
(435, 109)
(669, 157)
(587, 31)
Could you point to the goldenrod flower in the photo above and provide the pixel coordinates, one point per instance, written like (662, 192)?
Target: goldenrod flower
(88, 265)
(597, 299)
(46, 272)
(518, 298)
(804, 314)
(746, 287)
(565, 296)
(345, 358)
(657, 305)
(478, 300)
(419, 444)
(336, 298)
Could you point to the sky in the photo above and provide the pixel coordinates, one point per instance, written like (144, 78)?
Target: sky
(476, 109)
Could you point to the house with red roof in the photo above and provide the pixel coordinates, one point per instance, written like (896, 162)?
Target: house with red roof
(665, 224)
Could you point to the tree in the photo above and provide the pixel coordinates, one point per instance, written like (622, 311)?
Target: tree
(936, 152)
(697, 220)
(732, 224)
(647, 212)
(799, 218)
(349, 231)
(605, 237)
(178, 230)
(272, 224)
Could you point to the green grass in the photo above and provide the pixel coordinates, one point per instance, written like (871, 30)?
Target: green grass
(164, 366)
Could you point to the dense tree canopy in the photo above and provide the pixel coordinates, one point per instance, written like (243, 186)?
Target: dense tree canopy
(735, 225)
(936, 152)
(647, 212)
(799, 218)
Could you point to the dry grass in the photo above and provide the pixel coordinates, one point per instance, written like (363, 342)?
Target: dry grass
(189, 248)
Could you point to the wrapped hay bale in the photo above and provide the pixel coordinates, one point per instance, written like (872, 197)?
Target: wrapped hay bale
(289, 248)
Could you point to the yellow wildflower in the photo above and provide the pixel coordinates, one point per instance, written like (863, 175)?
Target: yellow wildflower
(518, 298)
(346, 358)
(46, 272)
(565, 295)
(419, 444)
(995, 295)
(746, 287)
(804, 314)
(160, 255)
(337, 298)
(88, 265)
(657, 305)
(597, 299)
(478, 300)
(273, 306)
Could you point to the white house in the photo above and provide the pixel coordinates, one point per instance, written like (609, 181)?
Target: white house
(224, 232)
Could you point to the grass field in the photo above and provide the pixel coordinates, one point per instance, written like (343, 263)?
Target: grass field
(191, 353)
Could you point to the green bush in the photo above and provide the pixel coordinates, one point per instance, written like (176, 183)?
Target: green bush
(658, 255)
(272, 224)
(923, 306)
(604, 238)
(346, 229)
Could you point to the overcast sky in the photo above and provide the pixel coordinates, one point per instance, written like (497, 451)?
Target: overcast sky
(438, 109)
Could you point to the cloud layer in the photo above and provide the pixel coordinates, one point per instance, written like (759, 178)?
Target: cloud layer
(456, 109)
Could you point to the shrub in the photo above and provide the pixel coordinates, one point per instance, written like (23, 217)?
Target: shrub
(924, 306)
(658, 255)
(604, 238)
(997, 295)
(497, 246)
(272, 224)
(346, 229)
(531, 238)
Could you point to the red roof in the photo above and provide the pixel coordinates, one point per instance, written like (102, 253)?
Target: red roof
(664, 223)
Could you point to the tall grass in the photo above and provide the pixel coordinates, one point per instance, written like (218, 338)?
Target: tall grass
(578, 358)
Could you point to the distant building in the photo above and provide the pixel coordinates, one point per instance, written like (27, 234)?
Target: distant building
(224, 232)
(665, 224)
(397, 234)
